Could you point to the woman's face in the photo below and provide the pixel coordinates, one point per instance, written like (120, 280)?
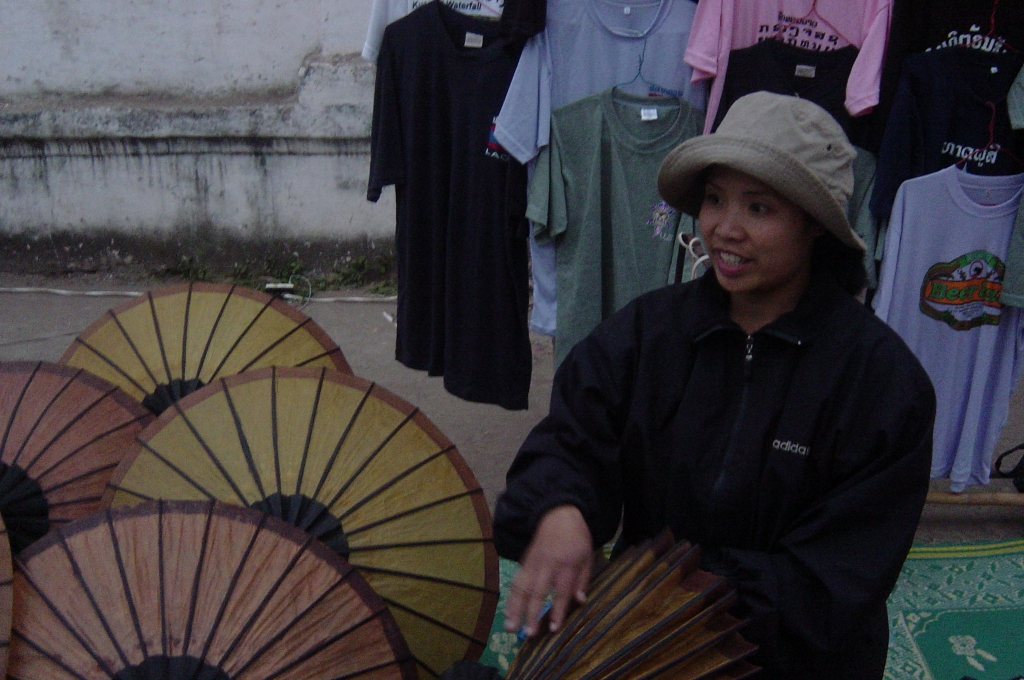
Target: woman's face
(759, 242)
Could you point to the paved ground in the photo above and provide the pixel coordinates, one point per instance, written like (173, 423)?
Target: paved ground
(40, 326)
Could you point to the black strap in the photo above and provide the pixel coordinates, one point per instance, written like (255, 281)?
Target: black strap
(1017, 473)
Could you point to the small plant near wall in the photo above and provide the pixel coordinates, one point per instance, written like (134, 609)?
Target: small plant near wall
(196, 255)
(188, 268)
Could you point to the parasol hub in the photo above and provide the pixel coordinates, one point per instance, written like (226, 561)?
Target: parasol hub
(170, 668)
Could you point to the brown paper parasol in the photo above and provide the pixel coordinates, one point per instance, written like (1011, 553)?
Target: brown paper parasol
(351, 463)
(62, 433)
(650, 614)
(174, 340)
(196, 591)
(6, 597)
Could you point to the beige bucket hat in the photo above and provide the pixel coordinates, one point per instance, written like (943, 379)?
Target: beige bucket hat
(791, 144)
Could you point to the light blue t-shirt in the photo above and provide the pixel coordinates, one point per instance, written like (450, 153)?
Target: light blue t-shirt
(586, 47)
(939, 288)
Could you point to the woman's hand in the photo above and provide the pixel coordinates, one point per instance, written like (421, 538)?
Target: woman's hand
(558, 561)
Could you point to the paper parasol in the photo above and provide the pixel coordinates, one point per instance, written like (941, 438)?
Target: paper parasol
(6, 597)
(174, 340)
(196, 591)
(650, 614)
(62, 433)
(353, 464)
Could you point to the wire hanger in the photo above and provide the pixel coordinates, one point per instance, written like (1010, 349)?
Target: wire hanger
(813, 10)
(639, 77)
(652, 88)
(992, 27)
(962, 163)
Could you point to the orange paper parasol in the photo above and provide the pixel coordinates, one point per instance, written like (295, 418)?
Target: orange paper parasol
(196, 591)
(351, 463)
(174, 340)
(6, 597)
(62, 433)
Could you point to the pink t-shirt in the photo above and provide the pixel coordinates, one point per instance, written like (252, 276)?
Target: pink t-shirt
(721, 26)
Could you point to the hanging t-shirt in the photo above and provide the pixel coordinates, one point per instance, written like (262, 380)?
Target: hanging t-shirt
(950, 104)
(940, 290)
(1013, 288)
(1015, 102)
(461, 228)
(517, 17)
(819, 76)
(864, 223)
(774, 66)
(586, 47)
(595, 192)
(922, 25)
(721, 26)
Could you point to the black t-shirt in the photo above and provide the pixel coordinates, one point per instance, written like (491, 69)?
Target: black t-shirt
(921, 25)
(461, 230)
(523, 18)
(774, 66)
(945, 105)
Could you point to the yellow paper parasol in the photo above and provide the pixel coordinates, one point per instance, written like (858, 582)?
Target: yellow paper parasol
(62, 433)
(174, 340)
(196, 591)
(351, 463)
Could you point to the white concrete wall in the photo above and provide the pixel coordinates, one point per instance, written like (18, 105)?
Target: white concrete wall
(251, 115)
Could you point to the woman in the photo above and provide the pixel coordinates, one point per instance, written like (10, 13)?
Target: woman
(760, 411)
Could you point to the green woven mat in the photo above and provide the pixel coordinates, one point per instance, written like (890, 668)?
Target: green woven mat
(501, 646)
(958, 611)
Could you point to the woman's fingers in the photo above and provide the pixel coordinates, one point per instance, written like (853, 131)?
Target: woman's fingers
(557, 563)
(525, 600)
(565, 587)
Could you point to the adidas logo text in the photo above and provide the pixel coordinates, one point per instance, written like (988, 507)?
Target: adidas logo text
(791, 447)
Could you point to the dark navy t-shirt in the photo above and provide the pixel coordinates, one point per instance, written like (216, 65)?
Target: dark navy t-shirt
(774, 66)
(461, 232)
(950, 106)
(921, 25)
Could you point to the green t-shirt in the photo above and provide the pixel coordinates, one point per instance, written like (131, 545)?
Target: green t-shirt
(1015, 102)
(595, 192)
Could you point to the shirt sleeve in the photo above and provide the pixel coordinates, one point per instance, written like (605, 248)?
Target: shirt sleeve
(523, 124)
(861, 218)
(382, 13)
(572, 457)
(386, 143)
(882, 302)
(539, 194)
(707, 50)
(548, 206)
(865, 81)
(829, 574)
(1013, 280)
(896, 157)
(1015, 102)
(703, 47)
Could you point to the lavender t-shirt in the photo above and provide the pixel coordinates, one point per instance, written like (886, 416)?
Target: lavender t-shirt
(939, 288)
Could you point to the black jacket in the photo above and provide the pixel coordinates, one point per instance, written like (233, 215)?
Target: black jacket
(797, 457)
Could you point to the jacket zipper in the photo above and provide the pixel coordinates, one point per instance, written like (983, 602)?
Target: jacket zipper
(748, 362)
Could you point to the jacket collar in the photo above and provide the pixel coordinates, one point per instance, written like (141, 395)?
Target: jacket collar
(822, 297)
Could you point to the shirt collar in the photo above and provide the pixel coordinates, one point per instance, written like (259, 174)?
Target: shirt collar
(822, 297)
